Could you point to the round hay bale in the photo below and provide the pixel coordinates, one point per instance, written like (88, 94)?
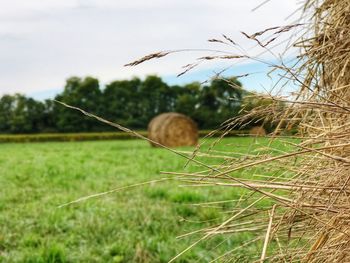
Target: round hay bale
(257, 131)
(173, 130)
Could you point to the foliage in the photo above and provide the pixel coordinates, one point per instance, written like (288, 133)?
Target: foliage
(21, 114)
(132, 103)
(84, 93)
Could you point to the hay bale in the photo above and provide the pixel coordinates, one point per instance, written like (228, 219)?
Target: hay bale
(173, 130)
(257, 131)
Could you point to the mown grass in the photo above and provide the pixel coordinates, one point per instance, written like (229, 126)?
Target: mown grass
(134, 225)
(93, 136)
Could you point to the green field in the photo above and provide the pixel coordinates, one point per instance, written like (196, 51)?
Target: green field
(133, 225)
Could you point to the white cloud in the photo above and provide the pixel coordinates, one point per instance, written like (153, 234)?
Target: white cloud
(44, 42)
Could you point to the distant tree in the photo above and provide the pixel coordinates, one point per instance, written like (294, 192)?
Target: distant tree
(6, 109)
(253, 101)
(206, 110)
(132, 103)
(19, 114)
(155, 97)
(48, 117)
(217, 102)
(121, 101)
(33, 111)
(229, 94)
(83, 93)
(187, 98)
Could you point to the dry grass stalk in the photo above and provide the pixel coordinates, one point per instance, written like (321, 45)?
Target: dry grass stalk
(257, 131)
(268, 233)
(313, 204)
(307, 186)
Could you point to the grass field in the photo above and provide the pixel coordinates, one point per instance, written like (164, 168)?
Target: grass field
(134, 225)
(94, 136)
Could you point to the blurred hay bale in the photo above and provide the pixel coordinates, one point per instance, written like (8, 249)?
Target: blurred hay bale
(257, 131)
(173, 130)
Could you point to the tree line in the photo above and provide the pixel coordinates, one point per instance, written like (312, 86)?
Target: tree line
(132, 103)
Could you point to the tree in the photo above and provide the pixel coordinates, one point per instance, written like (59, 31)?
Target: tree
(132, 103)
(19, 114)
(187, 98)
(121, 101)
(218, 102)
(229, 94)
(262, 105)
(6, 108)
(155, 97)
(82, 93)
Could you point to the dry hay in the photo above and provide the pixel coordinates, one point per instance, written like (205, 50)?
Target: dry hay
(305, 187)
(173, 130)
(324, 119)
(257, 131)
(308, 219)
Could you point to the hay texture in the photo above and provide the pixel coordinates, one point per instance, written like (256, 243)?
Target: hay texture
(295, 199)
(324, 115)
(257, 131)
(306, 185)
(173, 130)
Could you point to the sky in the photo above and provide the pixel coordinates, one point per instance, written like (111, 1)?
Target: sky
(42, 43)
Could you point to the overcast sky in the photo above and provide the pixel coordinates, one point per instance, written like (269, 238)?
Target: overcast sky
(43, 42)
